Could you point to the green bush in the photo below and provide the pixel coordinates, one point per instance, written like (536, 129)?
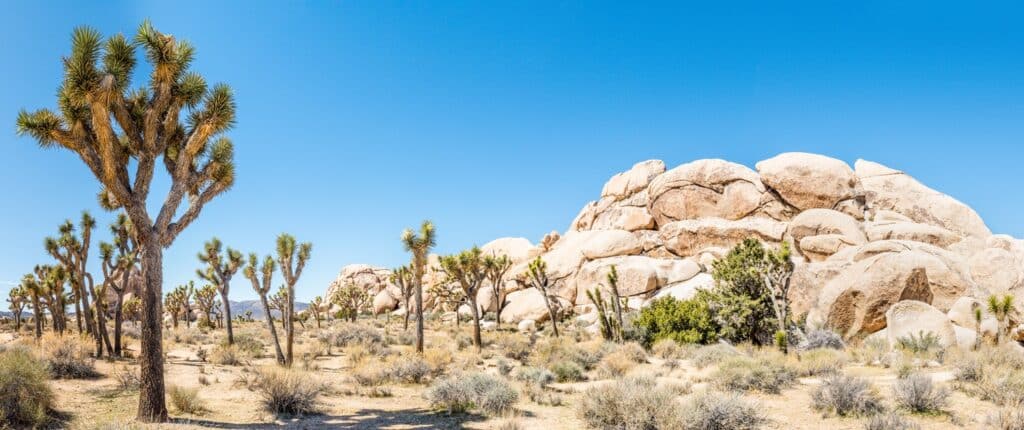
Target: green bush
(489, 394)
(25, 396)
(683, 321)
(567, 371)
(740, 302)
(630, 403)
(713, 411)
(846, 395)
(752, 374)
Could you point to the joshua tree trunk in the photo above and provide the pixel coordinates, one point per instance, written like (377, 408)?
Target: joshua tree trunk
(419, 315)
(118, 321)
(290, 324)
(227, 316)
(78, 316)
(152, 407)
(408, 310)
(37, 318)
(476, 323)
(273, 330)
(551, 313)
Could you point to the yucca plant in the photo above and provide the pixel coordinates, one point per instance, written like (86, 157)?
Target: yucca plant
(221, 266)
(316, 308)
(261, 278)
(16, 301)
(419, 245)
(352, 300)
(113, 128)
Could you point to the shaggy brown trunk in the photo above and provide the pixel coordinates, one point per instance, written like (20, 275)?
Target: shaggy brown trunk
(90, 321)
(227, 315)
(36, 318)
(78, 316)
(551, 312)
(152, 405)
(118, 320)
(476, 324)
(419, 313)
(273, 330)
(499, 303)
(290, 324)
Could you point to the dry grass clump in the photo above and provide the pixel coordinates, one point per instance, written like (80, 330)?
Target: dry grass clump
(534, 375)
(846, 396)
(249, 345)
(548, 351)
(25, 395)
(127, 378)
(438, 359)
(621, 360)
(821, 361)
(710, 355)
(669, 349)
(630, 403)
(818, 339)
(476, 391)
(68, 357)
(890, 421)
(713, 411)
(186, 400)
(1011, 418)
(762, 374)
(917, 393)
(995, 374)
(410, 368)
(288, 391)
(568, 371)
(227, 355)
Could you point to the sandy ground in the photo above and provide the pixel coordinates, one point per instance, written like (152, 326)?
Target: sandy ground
(98, 403)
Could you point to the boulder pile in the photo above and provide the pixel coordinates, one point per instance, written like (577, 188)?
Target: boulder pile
(876, 252)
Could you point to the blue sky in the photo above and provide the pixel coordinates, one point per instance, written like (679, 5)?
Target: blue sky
(358, 119)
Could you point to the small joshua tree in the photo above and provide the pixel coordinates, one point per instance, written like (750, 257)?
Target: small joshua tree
(352, 300)
(206, 300)
(419, 245)
(172, 304)
(72, 252)
(447, 297)
(292, 258)
(16, 303)
(497, 266)
(1001, 308)
(316, 309)
(402, 277)
(978, 316)
(133, 310)
(51, 282)
(117, 261)
(468, 271)
(220, 268)
(609, 313)
(34, 290)
(261, 278)
(537, 275)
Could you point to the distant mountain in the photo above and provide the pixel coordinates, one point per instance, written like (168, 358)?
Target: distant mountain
(239, 308)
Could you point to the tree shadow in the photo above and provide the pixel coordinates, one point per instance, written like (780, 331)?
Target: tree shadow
(363, 419)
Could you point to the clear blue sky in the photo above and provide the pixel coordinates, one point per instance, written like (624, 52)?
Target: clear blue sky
(357, 119)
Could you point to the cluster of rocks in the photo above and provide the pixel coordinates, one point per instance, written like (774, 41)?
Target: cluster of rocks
(876, 252)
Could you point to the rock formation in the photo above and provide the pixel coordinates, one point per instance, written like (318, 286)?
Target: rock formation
(874, 248)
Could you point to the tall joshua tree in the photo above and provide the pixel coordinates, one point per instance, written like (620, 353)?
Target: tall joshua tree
(292, 258)
(33, 289)
(52, 280)
(118, 260)
(402, 277)
(206, 300)
(419, 246)
(114, 128)
(16, 303)
(467, 269)
(497, 266)
(537, 274)
(262, 286)
(72, 252)
(220, 268)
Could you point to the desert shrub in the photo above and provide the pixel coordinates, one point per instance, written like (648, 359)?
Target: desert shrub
(186, 400)
(683, 321)
(919, 394)
(740, 302)
(534, 375)
(227, 355)
(993, 374)
(846, 395)
(25, 395)
(127, 378)
(632, 350)
(510, 424)
(202, 354)
(752, 374)
(667, 349)
(567, 371)
(890, 421)
(712, 354)
(476, 391)
(513, 345)
(352, 334)
(630, 403)
(370, 373)
(541, 396)
(286, 391)
(504, 367)
(1007, 419)
(874, 352)
(616, 364)
(407, 337)
(821, 361)
(920, 343)
(249, 346)
(819, 339)
(721, 411)
(409, 368)
(68, 357)
(438, 359)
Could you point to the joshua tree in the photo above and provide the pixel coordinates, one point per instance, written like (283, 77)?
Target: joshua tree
(73, 253)
(467, 269)
(16, 303)
(292, 258)
(610, 313)
(33, 289)
(352, 300)
(537, 274)
(220, 268)
(977, 326)
(114, 128)
(279, 301)
(118, 260)
(51, 281)
(172, 302)
(497, 266)
(316, 308)
(206, 299)
(402, 277)
(419, 246)
(133, 310)
(262, 287)
(1001, 309)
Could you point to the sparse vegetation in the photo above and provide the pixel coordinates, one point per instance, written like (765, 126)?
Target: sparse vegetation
(286, 391)
(846, 395)
(721, 411)
(752, 374)
(917, 393)
(25, 395)
(476, 391)
(186, 400)
(630, 403)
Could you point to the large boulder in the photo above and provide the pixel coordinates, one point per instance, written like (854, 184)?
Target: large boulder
(516, 248)
(819, 233)
(686, 238)
(629, 218)
(995, 270)
(962, 314)
(610, 243)
(809, 181)
(901, 230)
(687, 289)
(911, 317)
(370, 278)
(638, 275)
(635, 179)
(384, 302)
(890, 189)
(527, 304)
(710, 188)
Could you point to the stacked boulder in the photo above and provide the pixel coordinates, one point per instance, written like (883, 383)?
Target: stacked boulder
(876, 251)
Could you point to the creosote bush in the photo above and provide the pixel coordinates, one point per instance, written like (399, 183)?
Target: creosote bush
(818, 339)
(534, 375)
(476, 391)
(890, 421)
(994, 374)
(630, 403)
(753, 374)
(186, 400)
(917, 393)
(227, 355)
(721, 411)
(845, 396)
(821, 361)
(568, 371)
(1011, 418)
(286, 391)
(712, 354)
(67, 357)
(25, 395)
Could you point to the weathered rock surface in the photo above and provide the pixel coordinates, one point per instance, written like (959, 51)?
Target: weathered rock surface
(809, 181)
(910, 317)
